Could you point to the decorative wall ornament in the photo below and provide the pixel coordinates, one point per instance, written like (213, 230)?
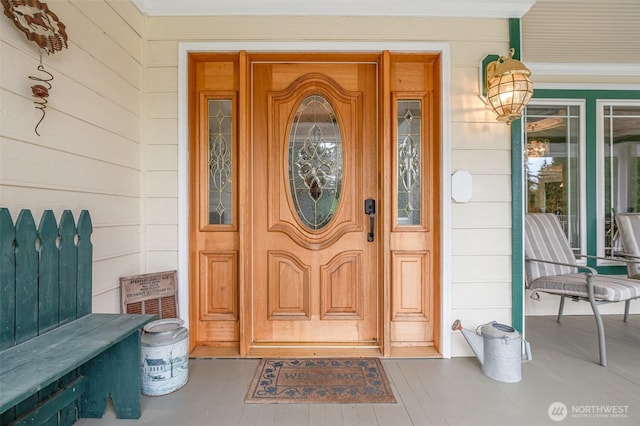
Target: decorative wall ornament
(43, 27)
(39, 24)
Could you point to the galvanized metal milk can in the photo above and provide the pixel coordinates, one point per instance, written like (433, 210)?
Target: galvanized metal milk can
(164, 356)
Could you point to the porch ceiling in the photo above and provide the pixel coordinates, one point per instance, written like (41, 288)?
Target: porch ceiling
(582, 31)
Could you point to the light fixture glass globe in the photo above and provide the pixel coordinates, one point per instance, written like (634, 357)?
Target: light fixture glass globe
(508, 95)
(509, 87)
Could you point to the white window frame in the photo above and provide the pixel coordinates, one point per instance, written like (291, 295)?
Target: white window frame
(582, 151)
(600, 161)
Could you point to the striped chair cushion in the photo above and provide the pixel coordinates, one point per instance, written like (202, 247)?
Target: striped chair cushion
(611, 288)
(629, 229)
(545, 240)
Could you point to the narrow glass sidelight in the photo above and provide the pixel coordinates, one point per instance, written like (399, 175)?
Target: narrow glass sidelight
(315, 162)
(409, 154)
(220, 161)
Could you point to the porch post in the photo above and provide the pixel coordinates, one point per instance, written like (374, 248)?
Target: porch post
(517, 201)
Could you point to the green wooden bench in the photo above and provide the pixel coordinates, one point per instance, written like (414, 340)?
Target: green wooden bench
(59, 361)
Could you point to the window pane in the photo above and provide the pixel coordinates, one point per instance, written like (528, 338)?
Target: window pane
(553, 165)
(622, 165)
(409, 155)
(315, 162)
(220, 162)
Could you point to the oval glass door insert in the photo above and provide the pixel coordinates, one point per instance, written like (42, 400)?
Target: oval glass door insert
(315, 162)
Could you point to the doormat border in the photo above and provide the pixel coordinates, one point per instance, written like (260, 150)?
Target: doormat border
(267, 387)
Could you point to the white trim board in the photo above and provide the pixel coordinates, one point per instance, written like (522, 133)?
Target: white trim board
(585, 86)
(542, 68)
(429, 8)
(183, 156)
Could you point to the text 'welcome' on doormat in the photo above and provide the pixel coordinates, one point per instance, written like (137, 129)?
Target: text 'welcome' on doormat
(320, 380)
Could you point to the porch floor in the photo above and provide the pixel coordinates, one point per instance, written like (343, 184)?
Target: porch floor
(437, 391)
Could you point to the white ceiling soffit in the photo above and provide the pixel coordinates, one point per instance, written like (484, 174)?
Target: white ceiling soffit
(449, 8)
(582, 31)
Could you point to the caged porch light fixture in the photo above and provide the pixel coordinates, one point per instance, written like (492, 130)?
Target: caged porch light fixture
(508, 87)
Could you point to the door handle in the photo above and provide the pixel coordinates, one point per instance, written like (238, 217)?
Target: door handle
(370, 209)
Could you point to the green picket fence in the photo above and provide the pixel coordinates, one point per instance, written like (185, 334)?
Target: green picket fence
(45, 282)
(45, 273)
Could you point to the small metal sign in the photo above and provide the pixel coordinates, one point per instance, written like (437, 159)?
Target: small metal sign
(154, 293)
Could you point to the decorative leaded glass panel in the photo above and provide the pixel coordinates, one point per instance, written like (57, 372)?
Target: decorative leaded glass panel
(409, 154)
(315, 162)
(220, 162)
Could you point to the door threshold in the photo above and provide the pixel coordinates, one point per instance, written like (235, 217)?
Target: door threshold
(281, 351)
(215, 352)
(414, 352)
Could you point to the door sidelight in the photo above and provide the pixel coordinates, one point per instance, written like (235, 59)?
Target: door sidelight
(370, 209)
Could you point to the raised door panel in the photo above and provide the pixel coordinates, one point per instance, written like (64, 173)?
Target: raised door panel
(342, 288)
(288, 284)
(219, 298)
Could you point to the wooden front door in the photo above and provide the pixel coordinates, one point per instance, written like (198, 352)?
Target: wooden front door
(288, 153)
(315, 274)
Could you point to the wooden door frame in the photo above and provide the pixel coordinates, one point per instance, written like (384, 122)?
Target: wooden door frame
(321, 46)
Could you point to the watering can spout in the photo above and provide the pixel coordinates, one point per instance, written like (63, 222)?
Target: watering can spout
(474, 340)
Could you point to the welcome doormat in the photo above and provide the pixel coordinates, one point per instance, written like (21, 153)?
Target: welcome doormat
(320, 380)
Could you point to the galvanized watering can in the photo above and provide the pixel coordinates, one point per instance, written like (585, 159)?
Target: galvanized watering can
(498, 347)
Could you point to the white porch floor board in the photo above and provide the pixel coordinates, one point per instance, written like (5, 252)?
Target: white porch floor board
(434, 391)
